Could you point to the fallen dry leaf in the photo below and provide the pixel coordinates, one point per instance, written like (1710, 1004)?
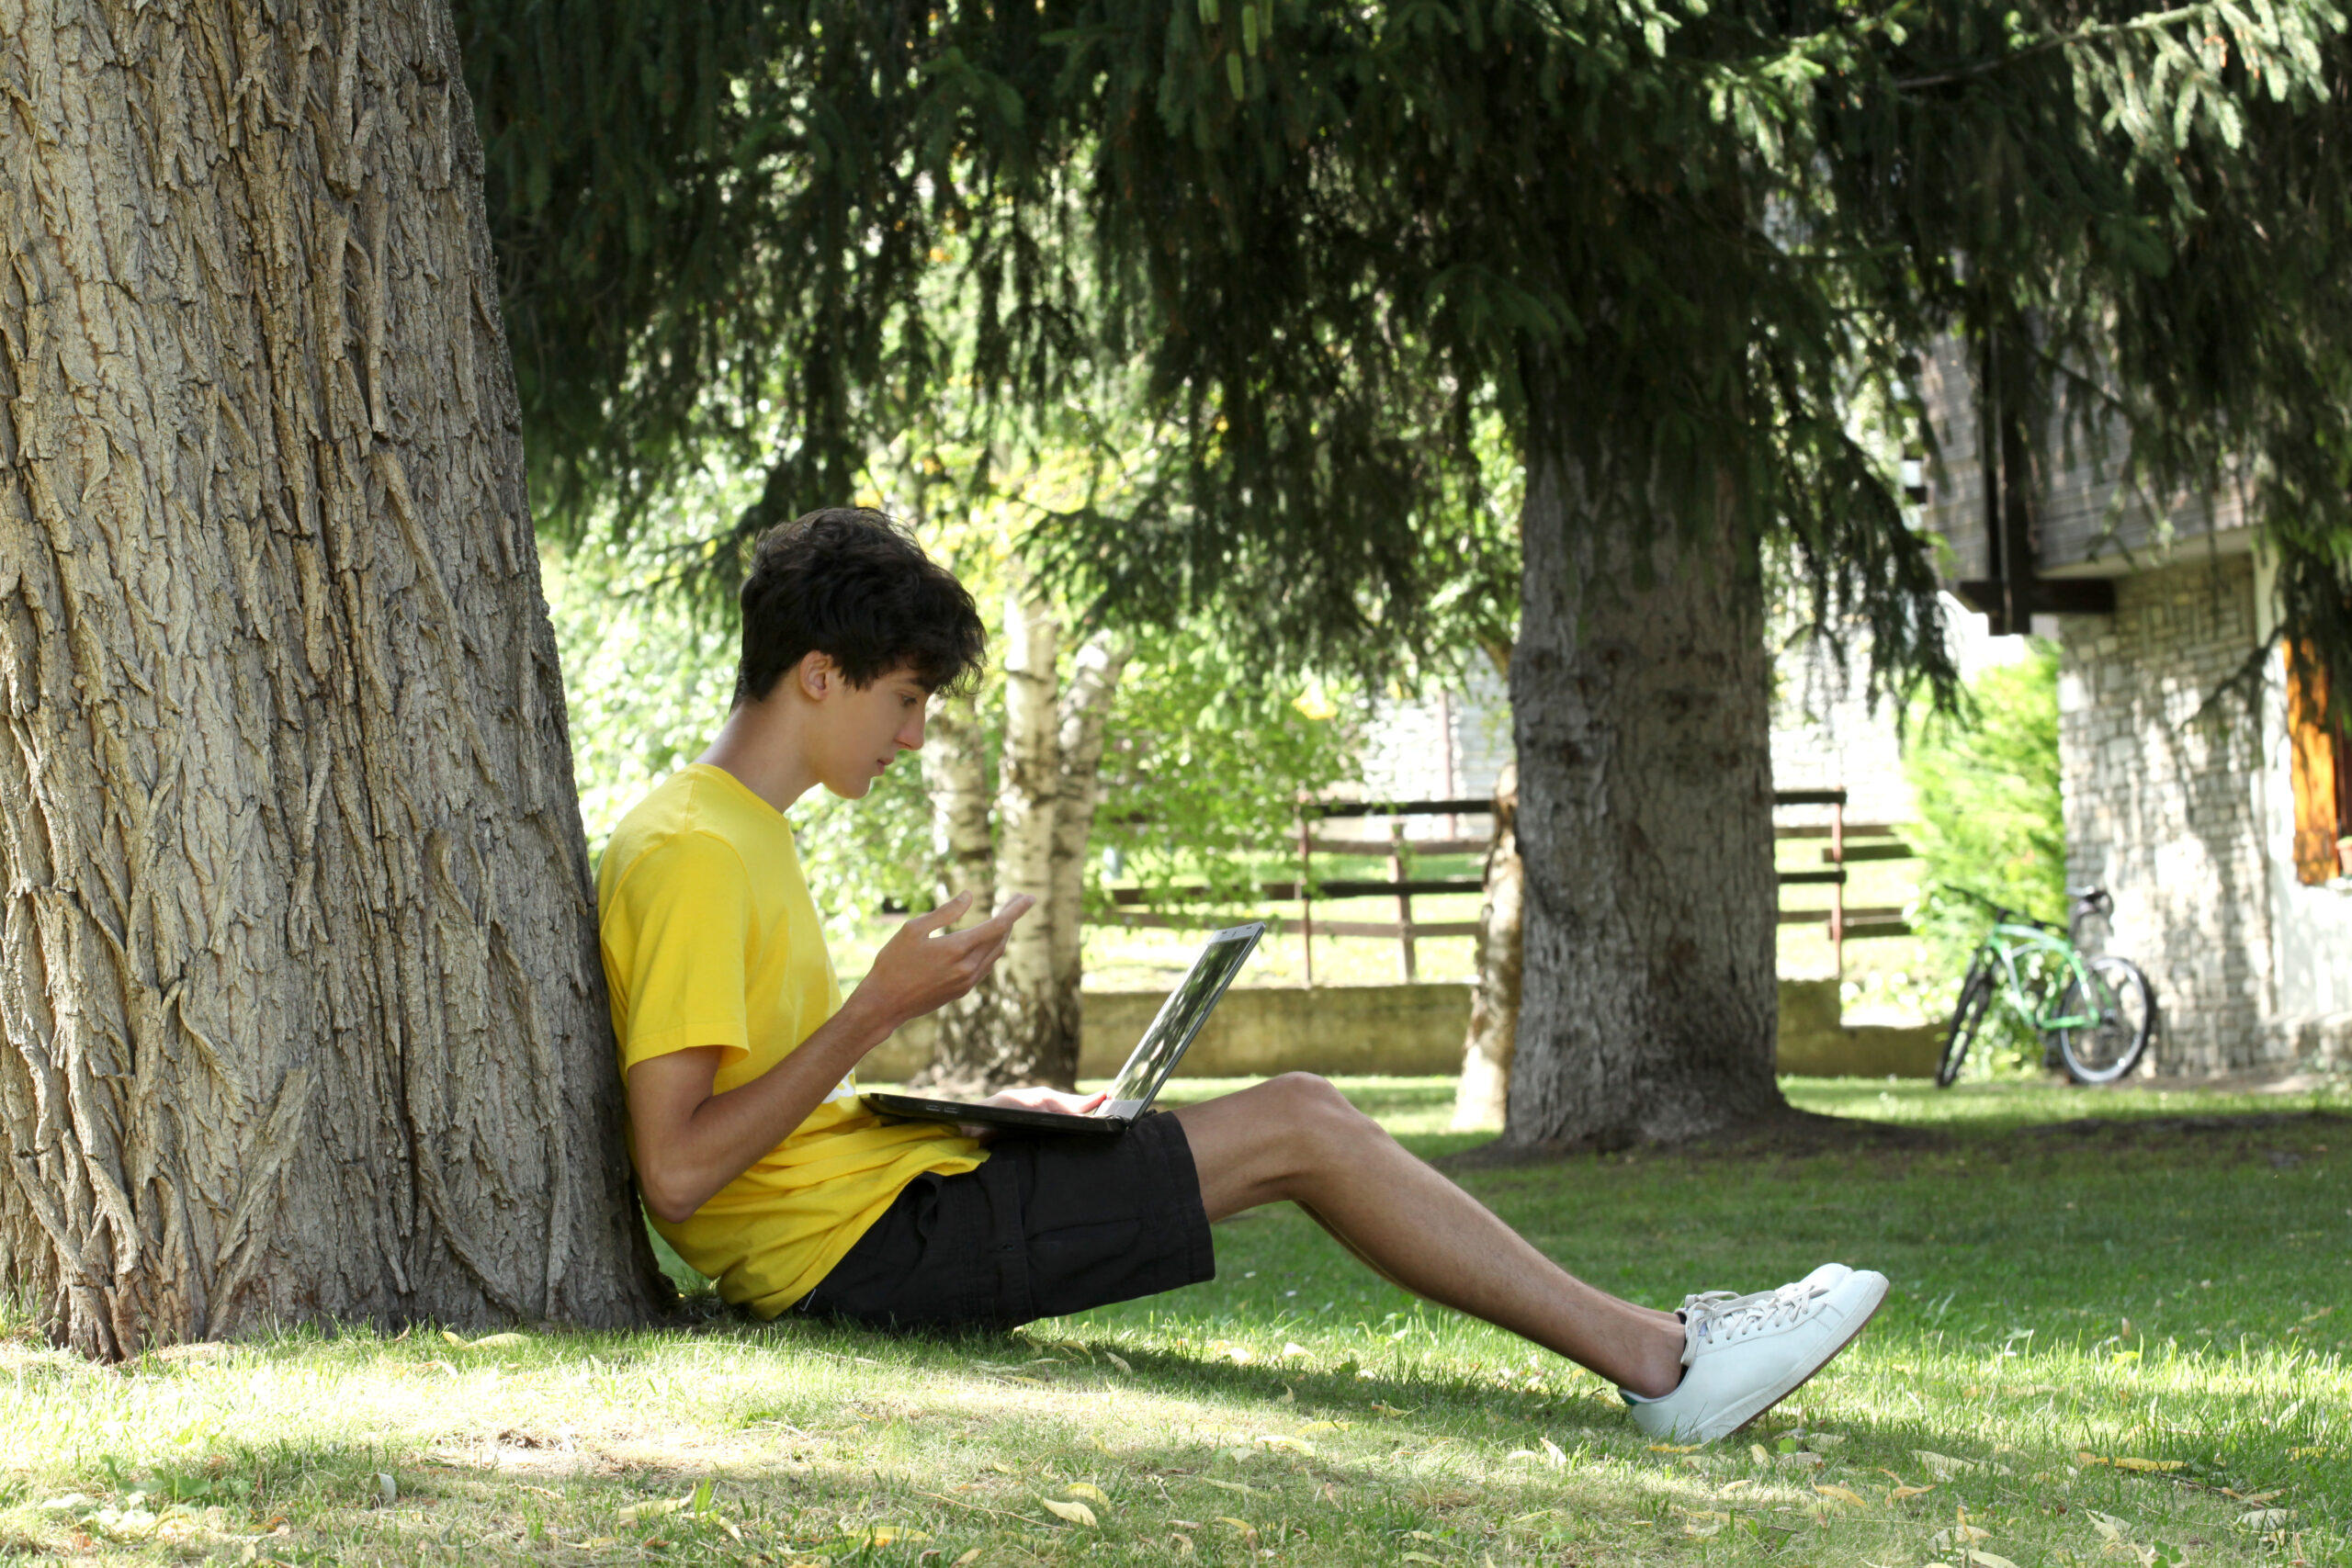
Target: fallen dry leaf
(653, 1510)
(1087, 1489)
(1076, 1512)
(2129, 1462)
(1847, 1496)
(1289, 1445)
(1116, 1360)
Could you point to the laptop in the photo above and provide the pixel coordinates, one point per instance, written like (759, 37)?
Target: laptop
(1138, 1083)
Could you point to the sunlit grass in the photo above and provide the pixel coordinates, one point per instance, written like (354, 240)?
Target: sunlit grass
(2166, 1298)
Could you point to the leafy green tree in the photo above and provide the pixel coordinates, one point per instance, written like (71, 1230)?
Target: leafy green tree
(1208, 765)
(1990, 819)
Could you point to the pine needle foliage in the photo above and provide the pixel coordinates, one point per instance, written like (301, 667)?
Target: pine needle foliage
(1671, 243)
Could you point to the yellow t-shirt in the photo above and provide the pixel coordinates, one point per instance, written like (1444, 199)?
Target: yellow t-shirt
(709, 939)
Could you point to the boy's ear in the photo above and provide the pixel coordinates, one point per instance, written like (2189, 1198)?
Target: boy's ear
(818, 675)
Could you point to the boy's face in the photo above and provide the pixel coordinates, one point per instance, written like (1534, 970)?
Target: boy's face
(863, 729)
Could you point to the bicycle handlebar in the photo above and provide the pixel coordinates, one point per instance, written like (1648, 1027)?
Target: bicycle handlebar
(2086, 901)
(2000, 911)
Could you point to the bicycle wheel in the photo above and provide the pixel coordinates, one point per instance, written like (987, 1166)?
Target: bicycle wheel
(2107, 1050)
(1976, 998)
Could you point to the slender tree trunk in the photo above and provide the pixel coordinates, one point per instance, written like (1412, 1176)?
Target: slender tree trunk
(301, 1012)
(1030, 1020)
(954, 771)
(1084, 712)
(1482, 1097)
(1027, 1029)
(1645, 824)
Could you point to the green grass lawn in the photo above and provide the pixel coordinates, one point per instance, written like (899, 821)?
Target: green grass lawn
(2113, 1344)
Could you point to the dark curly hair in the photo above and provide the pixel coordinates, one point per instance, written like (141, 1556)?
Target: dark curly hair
(852, 583)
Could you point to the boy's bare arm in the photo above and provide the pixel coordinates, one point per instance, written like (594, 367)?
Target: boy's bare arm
(691, 1142)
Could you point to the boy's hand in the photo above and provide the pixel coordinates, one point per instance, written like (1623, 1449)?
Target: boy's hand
(926, 965)
(1033, 1098)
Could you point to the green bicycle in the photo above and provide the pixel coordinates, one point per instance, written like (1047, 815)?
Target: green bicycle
(2105, 1010)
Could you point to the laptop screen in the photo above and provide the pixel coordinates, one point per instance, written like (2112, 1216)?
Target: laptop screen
(1181, 1018)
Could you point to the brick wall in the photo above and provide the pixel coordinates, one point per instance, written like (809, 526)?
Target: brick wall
(2161, 804)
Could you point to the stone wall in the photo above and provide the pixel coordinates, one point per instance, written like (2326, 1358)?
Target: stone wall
(1258, 1031)
(2161, 804)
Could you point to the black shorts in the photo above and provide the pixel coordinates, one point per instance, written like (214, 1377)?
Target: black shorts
(1047, 1225)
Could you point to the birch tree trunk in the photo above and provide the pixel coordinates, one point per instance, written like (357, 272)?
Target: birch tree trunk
(1084, 712)
(1049, 782)
(1028, 790)
(955, 772)
(1644, 825)
(301, 1012)
(1481, 1098)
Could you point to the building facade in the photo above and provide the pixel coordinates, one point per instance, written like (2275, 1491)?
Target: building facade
(2199, 789)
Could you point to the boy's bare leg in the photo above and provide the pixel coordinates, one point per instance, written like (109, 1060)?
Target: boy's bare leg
(1294, 1138)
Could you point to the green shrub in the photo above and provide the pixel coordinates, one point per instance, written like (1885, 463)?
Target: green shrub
(1985, 785)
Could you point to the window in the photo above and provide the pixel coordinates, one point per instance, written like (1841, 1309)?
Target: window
(2321, 769)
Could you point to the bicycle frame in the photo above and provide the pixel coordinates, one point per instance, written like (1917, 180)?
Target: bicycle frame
(2011, 940)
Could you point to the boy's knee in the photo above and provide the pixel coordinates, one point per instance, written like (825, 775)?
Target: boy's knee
(1313, 1108)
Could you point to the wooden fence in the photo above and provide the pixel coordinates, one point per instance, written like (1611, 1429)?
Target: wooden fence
(1845, 924)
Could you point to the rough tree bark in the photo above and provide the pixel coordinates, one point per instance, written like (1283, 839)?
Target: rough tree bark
(1644, 825)
(301, 1012)
(1026, 1030)
(1481, 1098)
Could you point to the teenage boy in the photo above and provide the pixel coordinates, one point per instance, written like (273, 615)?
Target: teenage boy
(762, 1167)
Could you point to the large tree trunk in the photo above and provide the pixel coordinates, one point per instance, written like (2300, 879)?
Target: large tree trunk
(1644, 825)
(1481, 1098)
(301, 1012)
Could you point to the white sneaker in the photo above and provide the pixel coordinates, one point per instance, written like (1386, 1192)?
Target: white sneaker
(1748, 1353)
(1820, 1279)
